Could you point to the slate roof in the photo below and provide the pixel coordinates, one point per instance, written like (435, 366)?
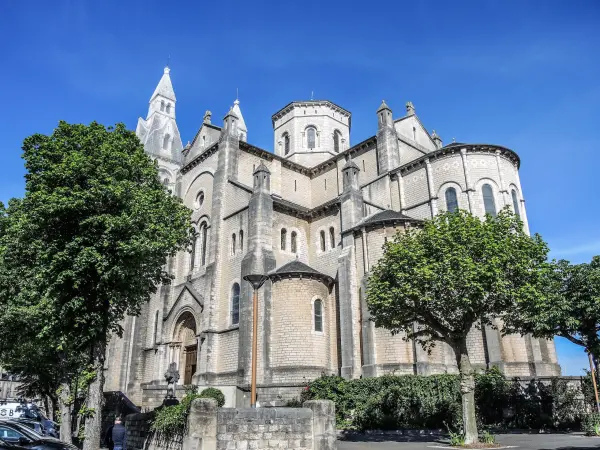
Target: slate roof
(386, 215)
(297, 269)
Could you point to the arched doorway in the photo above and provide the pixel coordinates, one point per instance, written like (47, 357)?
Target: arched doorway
(185, 336)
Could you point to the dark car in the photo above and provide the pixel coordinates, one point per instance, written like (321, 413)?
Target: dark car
(19, 434)
(49, 428)
(5, 445)
(33, 424)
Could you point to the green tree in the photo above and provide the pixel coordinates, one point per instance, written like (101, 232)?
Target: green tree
(88, 243)
(570, 308)
(457, 273)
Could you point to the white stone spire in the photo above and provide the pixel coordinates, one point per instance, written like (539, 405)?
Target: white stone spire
(241, 125)
(165, 87)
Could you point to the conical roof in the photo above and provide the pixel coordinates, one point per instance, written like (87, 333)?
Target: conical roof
(164, 87)
(238, 112)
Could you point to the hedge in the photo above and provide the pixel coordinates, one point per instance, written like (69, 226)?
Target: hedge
(433, 402)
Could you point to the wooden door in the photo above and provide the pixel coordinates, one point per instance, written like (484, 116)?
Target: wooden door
(191, 354)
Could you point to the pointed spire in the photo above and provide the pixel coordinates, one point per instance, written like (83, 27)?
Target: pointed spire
(410, 109)
(164, 87)
(383, 106)
(241, 125)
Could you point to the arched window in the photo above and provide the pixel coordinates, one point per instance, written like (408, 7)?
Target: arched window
(168, 108)
(322, 234)
(311, 137)
(318, 315)
(336, 141)
(451, 200)
(516, 203)
(294, 246)
(199, 199)
(203, 141)
(488, 200)
(233, 244)
(193, 253)
(162, 105)
(283, 238)
(286, 143)
(241, 240)
(166, 140)
(332, 237)
(235, 304)
(204, 236)
(166, 182)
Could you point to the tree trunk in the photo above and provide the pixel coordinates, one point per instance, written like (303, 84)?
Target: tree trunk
(95, 400)
(54, 408)
(47, 408)
(64, 404)
(467, 390)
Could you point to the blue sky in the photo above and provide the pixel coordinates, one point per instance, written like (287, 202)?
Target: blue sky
(523, 74)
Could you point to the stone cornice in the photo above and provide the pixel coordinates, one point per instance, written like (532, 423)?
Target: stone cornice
(201, 157)
(455, 149)
(304, 213)
(290, 106)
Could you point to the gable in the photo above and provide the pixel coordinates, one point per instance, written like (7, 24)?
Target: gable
(187, 297)
(411, 128)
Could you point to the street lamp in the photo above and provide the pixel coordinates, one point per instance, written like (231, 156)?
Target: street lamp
(256, 280)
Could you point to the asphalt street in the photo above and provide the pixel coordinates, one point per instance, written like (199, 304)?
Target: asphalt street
(571, 441)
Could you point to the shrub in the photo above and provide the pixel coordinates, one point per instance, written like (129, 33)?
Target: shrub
(412, 401)
(213, 393)
(170, 422)
(591, 424)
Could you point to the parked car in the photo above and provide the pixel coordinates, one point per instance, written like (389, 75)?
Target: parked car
(49, 427)
(19, 434)
(5, 445)
(33, 424)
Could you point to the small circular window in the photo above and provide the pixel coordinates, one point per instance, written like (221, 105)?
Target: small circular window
(199, 199)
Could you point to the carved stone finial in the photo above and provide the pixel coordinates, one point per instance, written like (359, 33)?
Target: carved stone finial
(410, 109)
(207, 116)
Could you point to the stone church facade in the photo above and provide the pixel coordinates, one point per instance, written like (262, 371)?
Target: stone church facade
(313, 214)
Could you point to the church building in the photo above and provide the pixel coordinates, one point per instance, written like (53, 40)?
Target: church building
(312, 213)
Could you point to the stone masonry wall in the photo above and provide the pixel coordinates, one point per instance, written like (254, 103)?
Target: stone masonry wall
(307, 428)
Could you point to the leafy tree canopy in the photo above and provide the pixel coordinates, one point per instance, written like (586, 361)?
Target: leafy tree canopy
(87, 243)
(570, 308)
(454, 272)
(458, 272)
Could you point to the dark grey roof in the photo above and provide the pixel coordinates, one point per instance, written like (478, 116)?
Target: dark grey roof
(297, 269)
(385, 216)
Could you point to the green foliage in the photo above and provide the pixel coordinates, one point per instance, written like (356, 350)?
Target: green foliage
(213, 393)
(488, 438)
(591, 424)
(170, 422)
(454, 272)
(85, 247)
(434, 402)
(570, 307)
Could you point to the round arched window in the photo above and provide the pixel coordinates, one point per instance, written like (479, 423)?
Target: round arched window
(200, 199)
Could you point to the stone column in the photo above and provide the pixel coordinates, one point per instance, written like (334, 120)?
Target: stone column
(470, 190)
(432, 194)
(324, 431)
(503, 189)
(202, 425)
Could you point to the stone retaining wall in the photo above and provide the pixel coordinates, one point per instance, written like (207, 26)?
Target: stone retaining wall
(309, 428)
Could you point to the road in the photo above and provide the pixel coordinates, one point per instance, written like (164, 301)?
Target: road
(575, 441)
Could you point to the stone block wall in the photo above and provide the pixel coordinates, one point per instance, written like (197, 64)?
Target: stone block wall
(311, 427)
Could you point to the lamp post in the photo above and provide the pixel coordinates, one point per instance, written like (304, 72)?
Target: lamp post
(256, 280)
